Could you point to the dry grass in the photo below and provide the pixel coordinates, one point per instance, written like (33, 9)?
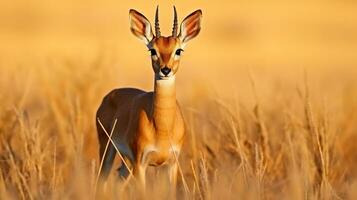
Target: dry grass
(282, 126)
(293, 142)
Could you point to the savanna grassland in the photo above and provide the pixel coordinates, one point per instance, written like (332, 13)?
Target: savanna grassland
(268, 91)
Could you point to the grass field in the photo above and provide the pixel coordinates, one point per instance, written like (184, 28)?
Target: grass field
(268, 91)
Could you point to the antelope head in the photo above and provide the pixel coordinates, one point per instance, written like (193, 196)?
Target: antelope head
(165, 51)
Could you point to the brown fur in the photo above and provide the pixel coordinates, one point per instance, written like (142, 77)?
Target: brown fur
(150, 126)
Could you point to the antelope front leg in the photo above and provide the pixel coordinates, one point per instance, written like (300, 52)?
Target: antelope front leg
(172, 173)
(140, 175)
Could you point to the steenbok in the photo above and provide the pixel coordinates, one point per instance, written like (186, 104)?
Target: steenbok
(150, 128)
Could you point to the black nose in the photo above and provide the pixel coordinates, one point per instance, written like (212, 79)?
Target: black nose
(165, 71)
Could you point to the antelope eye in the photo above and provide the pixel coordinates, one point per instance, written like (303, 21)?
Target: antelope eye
(178, 52)
(153, 52)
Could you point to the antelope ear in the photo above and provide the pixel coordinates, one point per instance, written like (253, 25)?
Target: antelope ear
(140, 26)
(190, 26)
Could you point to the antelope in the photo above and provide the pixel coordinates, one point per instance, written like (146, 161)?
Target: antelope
(150, 127)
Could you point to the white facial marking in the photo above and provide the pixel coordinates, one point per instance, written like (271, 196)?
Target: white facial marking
(154, 57)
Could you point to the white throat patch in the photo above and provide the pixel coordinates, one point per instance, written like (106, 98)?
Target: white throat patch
(168, 81)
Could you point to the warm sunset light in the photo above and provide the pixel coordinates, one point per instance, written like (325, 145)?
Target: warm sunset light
(266, 92)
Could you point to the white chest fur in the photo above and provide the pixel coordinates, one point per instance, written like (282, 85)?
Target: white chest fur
(153, 151)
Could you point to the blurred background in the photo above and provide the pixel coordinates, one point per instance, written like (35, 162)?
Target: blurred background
(234, 33)
(59, 58)
(236, 36)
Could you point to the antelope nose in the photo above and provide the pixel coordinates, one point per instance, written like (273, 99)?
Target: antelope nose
(165, 71)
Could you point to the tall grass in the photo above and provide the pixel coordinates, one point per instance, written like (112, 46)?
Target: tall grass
(281, 142)
(258, 125)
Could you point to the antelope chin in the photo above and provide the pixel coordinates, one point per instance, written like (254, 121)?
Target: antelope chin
(163, 77)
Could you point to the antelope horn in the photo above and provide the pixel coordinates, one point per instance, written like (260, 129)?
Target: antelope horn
(157, 26)
(174, 30)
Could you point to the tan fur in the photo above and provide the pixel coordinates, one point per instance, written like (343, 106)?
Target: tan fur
(150, 128)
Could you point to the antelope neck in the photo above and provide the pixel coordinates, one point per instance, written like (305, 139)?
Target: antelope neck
(164, 104)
